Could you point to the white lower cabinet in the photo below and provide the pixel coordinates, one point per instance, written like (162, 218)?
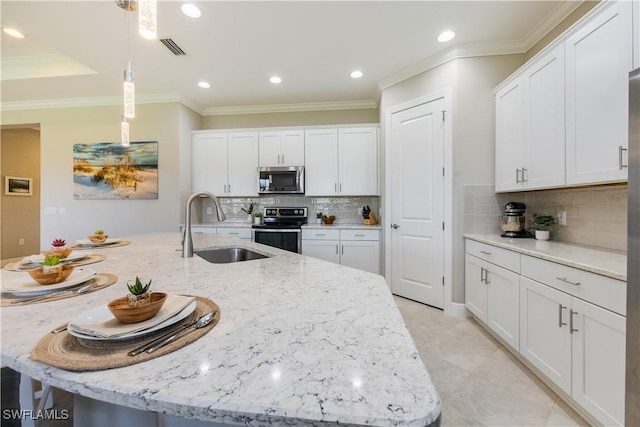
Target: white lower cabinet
(568, 323)
(354, 248)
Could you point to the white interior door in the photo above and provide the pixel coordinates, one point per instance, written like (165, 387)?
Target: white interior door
(417, 203)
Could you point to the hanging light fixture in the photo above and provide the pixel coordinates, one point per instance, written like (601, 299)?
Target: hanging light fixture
(148, 18)
(124, 131)
(129, 93)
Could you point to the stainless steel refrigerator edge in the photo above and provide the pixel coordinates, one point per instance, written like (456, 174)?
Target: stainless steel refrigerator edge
(632, 400)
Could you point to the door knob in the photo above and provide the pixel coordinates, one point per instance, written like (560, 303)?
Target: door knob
(394, 226)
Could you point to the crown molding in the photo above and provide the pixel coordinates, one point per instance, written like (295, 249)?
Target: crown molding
(555, 17)
(94, 102)
(37, 66)
(288, 108)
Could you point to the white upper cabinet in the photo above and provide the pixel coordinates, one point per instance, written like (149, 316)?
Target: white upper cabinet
(599, 58)
(530, 126)
(562, 119)
(225, 163)
(341, 162)
(281, 148)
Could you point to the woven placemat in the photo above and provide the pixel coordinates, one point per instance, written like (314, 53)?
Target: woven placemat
(101, 280)
(65, 351)
(89, 259)
(79, 247)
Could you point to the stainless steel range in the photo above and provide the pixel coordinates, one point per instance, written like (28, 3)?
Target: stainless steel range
(282, 228)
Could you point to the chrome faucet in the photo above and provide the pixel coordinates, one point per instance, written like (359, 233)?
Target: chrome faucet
(187, 241)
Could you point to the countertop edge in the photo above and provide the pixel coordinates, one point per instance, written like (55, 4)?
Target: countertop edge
(600, 261)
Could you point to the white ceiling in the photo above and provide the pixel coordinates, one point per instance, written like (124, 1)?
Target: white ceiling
(75, 52)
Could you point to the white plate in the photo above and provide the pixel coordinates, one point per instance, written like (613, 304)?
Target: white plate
(73, 256)
(101, 314)
(89, 243)
(19, 283)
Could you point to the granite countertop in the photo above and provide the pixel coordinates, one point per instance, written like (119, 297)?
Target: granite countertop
(300, 342)
(599, 261)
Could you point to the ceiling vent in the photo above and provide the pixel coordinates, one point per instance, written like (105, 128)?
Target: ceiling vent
(173, 47)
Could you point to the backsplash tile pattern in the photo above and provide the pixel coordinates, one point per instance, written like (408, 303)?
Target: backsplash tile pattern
(596, 216)
(345, 209)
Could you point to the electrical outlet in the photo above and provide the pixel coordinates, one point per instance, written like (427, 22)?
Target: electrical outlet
(209, 210)
(235, 210)
(21, 242)
(562, 217)
(360, 211)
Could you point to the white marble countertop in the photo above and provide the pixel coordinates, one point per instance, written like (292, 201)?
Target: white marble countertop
(300, 342)
(599, 261)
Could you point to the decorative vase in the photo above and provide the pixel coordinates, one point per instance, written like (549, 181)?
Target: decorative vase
(542, 234)
(249, 219)
(318, 220)
(257, 220)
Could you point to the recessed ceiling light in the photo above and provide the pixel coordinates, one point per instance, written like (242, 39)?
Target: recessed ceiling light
(204, 85)
(13, 33)
(445, 36)
(356, 74)
(191, 10)
(275, 80)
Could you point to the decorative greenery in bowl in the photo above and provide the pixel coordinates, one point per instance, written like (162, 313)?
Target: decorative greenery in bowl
(53, 271)
(140, 304)
(98, 236)
(59, 249)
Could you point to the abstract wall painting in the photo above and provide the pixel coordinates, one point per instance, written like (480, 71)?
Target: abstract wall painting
(109, 171)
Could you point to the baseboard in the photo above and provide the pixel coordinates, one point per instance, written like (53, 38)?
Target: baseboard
(459, 310)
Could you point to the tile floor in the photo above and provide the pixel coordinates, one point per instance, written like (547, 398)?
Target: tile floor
(480, 382)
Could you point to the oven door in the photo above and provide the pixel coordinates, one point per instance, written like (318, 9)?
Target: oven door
(289, 239)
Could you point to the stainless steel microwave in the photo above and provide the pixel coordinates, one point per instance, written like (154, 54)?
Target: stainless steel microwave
(281, 180)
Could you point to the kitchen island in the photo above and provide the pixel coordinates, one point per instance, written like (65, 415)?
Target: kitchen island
(300, 342)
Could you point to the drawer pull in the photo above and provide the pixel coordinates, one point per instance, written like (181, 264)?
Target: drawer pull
(319, 234)
(485, 252)
(564, 279)
(234, 232)
(560, 322)
(358, 235)
(571, 313)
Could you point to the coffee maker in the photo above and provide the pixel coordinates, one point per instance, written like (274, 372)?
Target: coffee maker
(513, 221)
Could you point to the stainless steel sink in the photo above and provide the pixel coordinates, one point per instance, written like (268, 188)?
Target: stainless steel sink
(227, 255)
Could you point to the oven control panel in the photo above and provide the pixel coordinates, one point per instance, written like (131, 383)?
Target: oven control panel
(272, 212)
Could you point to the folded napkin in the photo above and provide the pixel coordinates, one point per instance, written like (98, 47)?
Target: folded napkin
(113, 328)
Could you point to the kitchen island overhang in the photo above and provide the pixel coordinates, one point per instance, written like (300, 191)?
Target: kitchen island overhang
(300, 342)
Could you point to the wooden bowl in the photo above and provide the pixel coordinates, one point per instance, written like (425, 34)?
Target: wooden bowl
(98, 239)
(328, 219)
(121, 310)
(52, 276)
(60, 253)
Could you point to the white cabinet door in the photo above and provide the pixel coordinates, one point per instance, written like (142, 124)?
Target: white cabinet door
(510, 133)
(544, 156)
(321, 162)
(598, 343)
(327, 250)
(292, 148)
(243, 164)
(476, 292)
(281, 148)
(363, 255)
(599, 57)
(544, 331)
(503, 288)
(270, 145)
(358, 161)
(209, 163)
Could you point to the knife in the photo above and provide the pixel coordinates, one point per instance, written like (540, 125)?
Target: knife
(164, 336)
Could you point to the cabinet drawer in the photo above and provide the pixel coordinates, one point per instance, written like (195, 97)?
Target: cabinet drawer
(320, 234)
(359, 235)
(599, 290)
(502, 257)
(240, 232)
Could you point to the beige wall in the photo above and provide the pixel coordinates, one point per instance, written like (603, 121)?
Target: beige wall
(301, 118)
(20, 154)
(74, 219)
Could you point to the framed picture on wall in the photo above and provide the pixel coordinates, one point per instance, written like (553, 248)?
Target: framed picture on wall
(15, 186)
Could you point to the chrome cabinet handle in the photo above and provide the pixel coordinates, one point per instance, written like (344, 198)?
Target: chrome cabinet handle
(518, 176)
(523, 176)
(560, 322)
(564, 279)
(283, 159)
(336, 249)
(335, 187)
(485, 252)
(486, 276)
(358, 235)
(483, 275)
(620, 150)
(234, 233)
(319, 234)
(342, 250)
(571, 313)
(395, 226)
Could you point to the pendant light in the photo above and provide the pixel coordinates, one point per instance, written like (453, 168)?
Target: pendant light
(124, 131)
(129, 92)
(148, 18)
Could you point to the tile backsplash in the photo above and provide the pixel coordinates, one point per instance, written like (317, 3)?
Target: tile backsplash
(596, 216)
(345, 209)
